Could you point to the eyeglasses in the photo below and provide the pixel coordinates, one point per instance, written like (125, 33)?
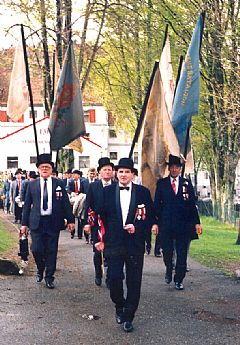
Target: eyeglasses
(44, 167)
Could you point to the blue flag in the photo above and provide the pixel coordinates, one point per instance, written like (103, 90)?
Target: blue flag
(67, 117)
(186, 100)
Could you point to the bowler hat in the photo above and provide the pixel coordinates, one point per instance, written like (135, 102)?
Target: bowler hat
(126, 163)
(76, 172)
(103, 162)
(174, 160)
(69, 171)
(44, 158)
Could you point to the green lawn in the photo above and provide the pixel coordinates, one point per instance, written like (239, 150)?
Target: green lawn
(7, 239)
(217, 246)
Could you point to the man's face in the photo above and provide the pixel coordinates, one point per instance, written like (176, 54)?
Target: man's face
(76, 177)
(124, 176)
(174, 170)
(18, 176)
(106, 172)
(45, 170)
(92, 175)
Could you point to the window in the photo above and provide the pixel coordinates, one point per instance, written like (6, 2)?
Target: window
(3, 116)
(112, 133)
(35, 114)
(90, 115)
(206, 175)
(33, 160)
(113, 156)
(84, 162)
(12, 162)
(135, 157)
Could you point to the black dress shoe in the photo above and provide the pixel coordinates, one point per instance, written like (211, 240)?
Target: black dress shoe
(168, 278)
(98, 281)
(119, 316)
(50, 284)
(127, 326)
(179, 286)
(39, 277)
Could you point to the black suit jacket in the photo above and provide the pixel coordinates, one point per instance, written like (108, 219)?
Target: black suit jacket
(61, 208)
(117, 240)
(94, 200)
(177, 214)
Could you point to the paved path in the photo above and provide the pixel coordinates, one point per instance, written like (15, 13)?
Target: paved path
(206, 312)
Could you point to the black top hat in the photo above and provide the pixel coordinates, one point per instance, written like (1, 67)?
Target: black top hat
(76, 172)
(125, 163)
(174, 160)
(44, 158)
(32, 174)
(103, 162)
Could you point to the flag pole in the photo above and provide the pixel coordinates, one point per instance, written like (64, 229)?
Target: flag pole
(29, 88)
(178, 73)
(165, 36)
(141, 118)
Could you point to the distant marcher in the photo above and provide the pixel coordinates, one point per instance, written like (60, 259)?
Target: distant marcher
(6, 193)
(45, 208)
(15, 191)
(177, 219)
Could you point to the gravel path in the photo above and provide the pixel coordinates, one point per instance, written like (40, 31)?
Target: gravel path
(206, 312)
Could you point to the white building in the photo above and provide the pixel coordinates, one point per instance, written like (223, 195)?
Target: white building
(17, 144)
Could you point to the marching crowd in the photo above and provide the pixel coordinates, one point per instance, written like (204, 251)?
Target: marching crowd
(114, 213)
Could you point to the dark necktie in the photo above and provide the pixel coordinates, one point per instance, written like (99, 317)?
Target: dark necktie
(76, 186)
(174, 186)
(122, 188)
(45, 195)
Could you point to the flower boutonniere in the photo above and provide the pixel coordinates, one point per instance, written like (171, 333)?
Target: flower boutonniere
(140, 212)
(185, 190)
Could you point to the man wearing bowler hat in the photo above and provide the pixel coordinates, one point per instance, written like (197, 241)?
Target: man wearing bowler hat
(178, 219)
(45, 208)
(128, 215)
(94, 201)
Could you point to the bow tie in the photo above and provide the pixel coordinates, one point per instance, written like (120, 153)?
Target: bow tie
(122, 188)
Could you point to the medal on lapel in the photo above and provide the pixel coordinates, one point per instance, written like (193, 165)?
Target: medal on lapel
(185, 190)
(140, 212)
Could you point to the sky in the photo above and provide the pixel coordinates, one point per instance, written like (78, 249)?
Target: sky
(8, 19)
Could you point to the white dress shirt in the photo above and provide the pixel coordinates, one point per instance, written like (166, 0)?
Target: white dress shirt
(176, 182)
(125, 198)
(47, 212)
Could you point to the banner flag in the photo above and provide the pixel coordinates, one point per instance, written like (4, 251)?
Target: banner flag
(18, 96)
(158, 137)
(187, 96)
(166, 71)
(76, 145)
(67, 116)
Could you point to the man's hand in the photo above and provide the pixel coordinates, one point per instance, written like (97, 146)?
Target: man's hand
(155, 229)
(99, 246)
(130, 228)
(87, 228)
(71, 227)
(198, 229)
(24, 230)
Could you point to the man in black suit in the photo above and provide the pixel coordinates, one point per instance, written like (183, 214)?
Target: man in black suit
(128, 215)
(45, 208)
(178, 219)
(94, 201)
(76, 187)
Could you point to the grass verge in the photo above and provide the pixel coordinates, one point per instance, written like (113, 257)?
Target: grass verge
(217, 247)
(8, 239)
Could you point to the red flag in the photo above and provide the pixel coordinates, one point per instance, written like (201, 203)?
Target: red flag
(101, 230)
(91, 216)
